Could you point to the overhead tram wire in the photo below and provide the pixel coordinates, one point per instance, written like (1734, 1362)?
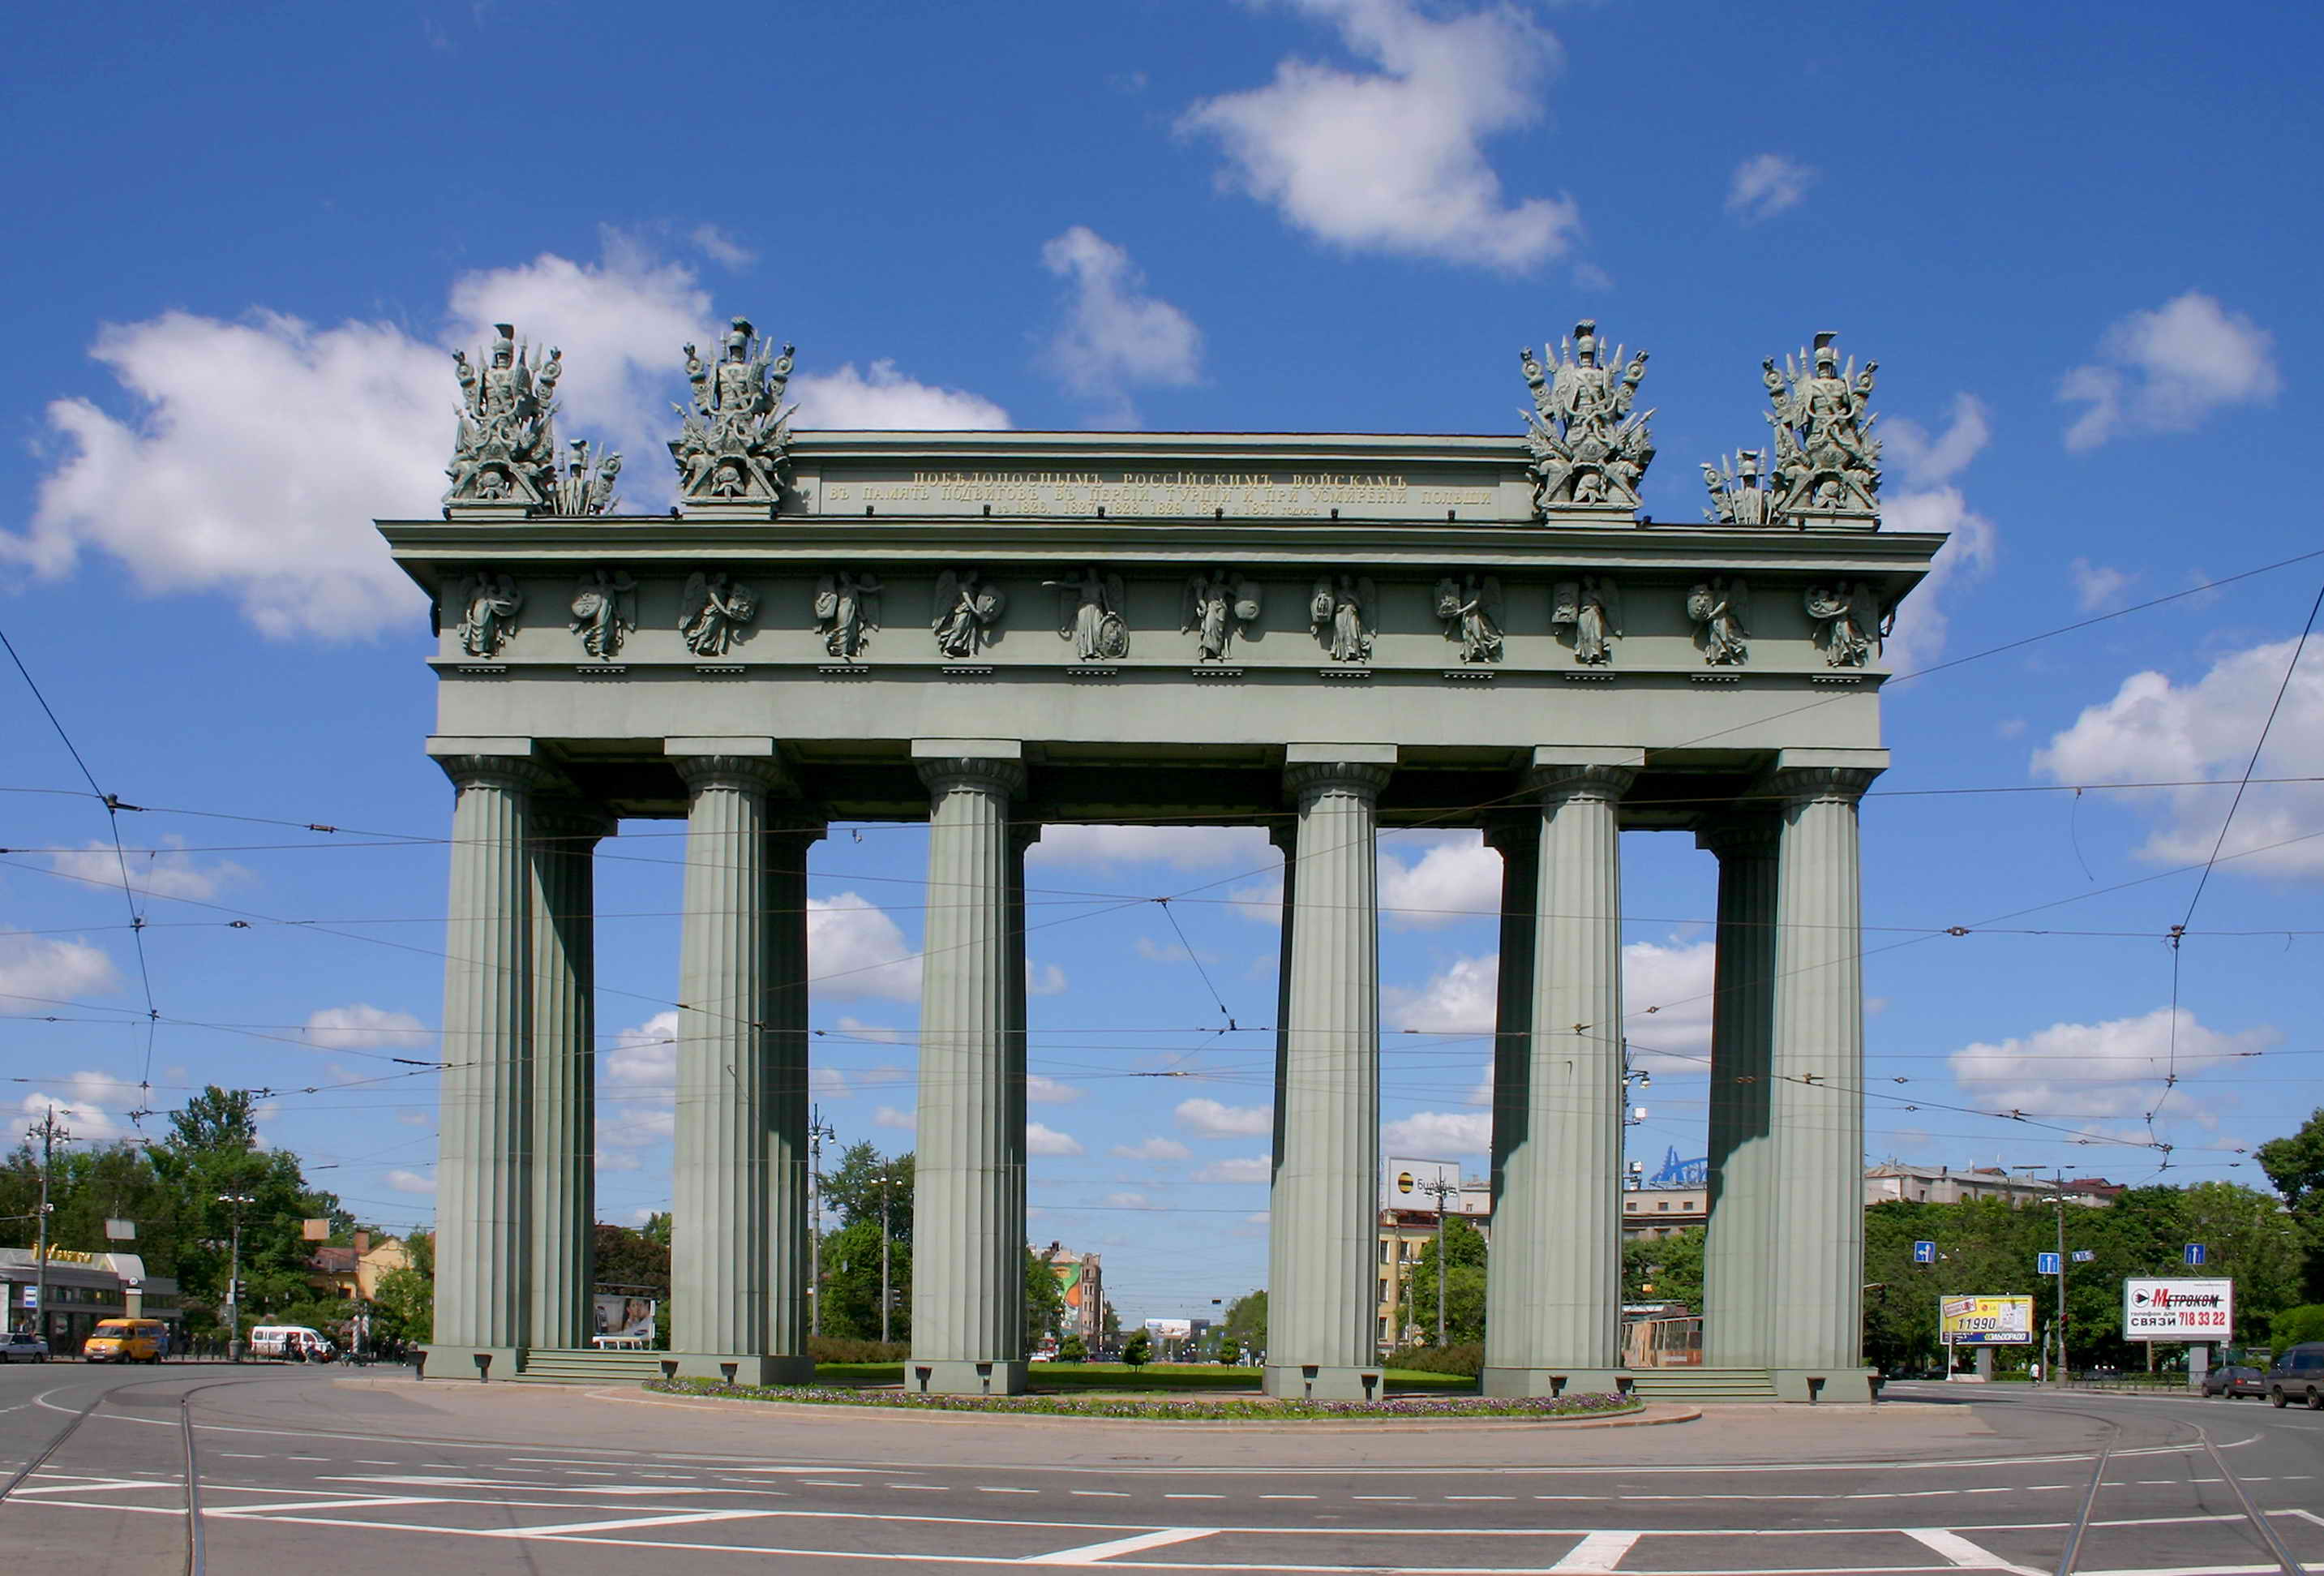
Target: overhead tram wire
(113, 809)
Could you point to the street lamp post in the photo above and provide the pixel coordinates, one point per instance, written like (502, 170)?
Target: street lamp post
(1440, 1190)
(817, 1130)
(51, 1133)
(885, 1299)
(237, 1202)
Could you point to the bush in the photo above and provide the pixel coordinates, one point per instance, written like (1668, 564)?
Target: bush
(2291, 1326)
(1466, 1357)
(1138, 1350)
(840, 1348)
(1073, 1349)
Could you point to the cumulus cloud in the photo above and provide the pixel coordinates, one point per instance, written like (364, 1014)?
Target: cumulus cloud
(1044, 1091)
(2155, 729)
(164, 871)
(364, 1027)
(1154, 1148)
(895, 1117)
(1930, 501)
(38, 971)
(861, 1030)
(1154, 951)
(1114, 337)
(2105, 1070)
(88, 1105)
(722, 248)
(250, 456)
(1044, 979)
(1127, 1202)
(1765, 185)
(854, 950)
(1392, 159)
(2096, 585)
(2171, 370)
(1458, 999)
(637, 1091)
(1666, 991)
(1255, 1168)
(1211, 1120)
(1048, 1141)
(1183, 848)
(1444, 1133)
(411, 1182)
(1456, 877)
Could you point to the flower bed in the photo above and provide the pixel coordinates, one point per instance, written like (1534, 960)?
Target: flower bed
(1189, 1410)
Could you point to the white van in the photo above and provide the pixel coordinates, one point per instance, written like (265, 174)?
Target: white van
(295, 1343)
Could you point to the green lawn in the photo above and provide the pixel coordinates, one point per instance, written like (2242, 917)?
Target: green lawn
(1153, 1378)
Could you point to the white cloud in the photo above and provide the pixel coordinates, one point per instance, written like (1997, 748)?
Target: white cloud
(1183, 848)
(38, 971)
(722, 248)
(2170, 370)
(363, 1028)
(1255, 1168)
(863, 1031)
(637, 1091)
(1392, 159)
(828, 1083)
(1456, 1000)
(250, 455)
(1444, 1133)
(609, 1159)
(414, 1118)
(1155, 1148)
(1456, 878)
(2111, 1069)
(1154, 951)
(1048, 1141)
(1930, 502)
(1127, 1202)
(159, 872)
(1114, 337)
(1675, 979)
(1044, 979)
(1044, 1091)
(892, 1117)
(1765, 185)
(856, 950)
(1261, 904)
(645, 1056)
(87, 1106)
(2155, 729)
(409, 1182)
(2096, 585)
(1211, 1120)
(882, 398)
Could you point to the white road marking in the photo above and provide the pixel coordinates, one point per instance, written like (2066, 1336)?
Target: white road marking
(1090, 1553)
(1598, 1552)
(985, 1490)
(1194, 1496)
(922, 1488)
(242, 1455)
(623, 1525)
(828, 1483)
(95, 1485)
(231, 1511)
(1962, 1552)
(1401, 1497)
(1097, 1494)
(1287, 1496)
(1480, 1496)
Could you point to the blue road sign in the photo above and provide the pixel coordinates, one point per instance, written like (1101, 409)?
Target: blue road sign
(2045, 1264)
(2195, 1253)
(1924, 1252)
(2083, 1255)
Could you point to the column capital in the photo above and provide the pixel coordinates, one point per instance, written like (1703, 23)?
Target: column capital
(514, 771)
(760, 773)
(1024, 834)
(1505, 830)
(992, 774)
(574, 823)
(1821, 784)
(1745, 835)
(1306, 779)
(1557, 783)
(1285, 836)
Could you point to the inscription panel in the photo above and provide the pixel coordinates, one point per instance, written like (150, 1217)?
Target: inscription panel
(1138, 492)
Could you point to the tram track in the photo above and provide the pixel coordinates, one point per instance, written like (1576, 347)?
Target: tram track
(2071, 1554)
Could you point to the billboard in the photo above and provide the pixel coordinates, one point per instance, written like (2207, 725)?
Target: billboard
(2175, 1310)
(622, 1318)
(1404, 1184)
(1985, 1321)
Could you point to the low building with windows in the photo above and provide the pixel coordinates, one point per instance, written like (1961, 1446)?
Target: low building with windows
(1081, 1276)
(82, 1289)
(353, 1271)
(1894, 1180)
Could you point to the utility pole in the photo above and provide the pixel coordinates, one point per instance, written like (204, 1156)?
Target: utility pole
(885, 1298)
(1440, 1190)
(51, 1133)
(2060, 1369)
(234, 1277)
(817, 1132)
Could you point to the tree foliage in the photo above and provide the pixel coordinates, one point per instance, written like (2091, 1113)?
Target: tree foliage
(1665, 1269)
(1244, 1328)
(1044, 1299)
(1464, 1282)
(2296, 1164)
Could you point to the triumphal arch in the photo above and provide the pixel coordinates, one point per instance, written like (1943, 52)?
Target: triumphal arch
(1323, 634)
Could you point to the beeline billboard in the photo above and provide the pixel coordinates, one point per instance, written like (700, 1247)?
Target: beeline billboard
(2159, 1309)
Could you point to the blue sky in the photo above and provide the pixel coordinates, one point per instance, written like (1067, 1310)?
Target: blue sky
(2078, 239)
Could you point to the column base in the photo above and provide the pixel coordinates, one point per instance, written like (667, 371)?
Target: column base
(443, 1361)
(738, 1369)
(1528, 1382)
(947, 1376)
(1322, 1382)
(1827, 1386)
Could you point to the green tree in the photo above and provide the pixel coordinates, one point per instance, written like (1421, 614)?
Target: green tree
(1139, 1350)
(1044, 1299)
(850, 1283)
(1463, 1281)
(1073, 1349)
(854, 1188)
(1665, 1269)
(1244, 1328)
(2296, 1164)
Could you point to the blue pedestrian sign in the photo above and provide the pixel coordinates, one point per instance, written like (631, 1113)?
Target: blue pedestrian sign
(2045, 1264)
(2195, 1253)
(1924, 1252)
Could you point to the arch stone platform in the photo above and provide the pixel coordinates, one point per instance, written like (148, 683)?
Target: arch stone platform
(1322, 633)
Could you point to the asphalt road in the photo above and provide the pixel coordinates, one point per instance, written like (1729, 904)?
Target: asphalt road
(378, 1475)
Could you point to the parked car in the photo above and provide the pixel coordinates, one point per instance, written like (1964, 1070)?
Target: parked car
(2297, 1375)
(2236, 1379)
(21, 1346)
(297, 1343)
(125, 1341)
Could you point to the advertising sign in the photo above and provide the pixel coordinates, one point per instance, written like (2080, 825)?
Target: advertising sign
(1985, 1321)
(621, 1318)
(2178, 1310)
(1405, 1184)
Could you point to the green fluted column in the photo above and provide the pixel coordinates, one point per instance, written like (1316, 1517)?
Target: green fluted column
(1743, 1192)
(968, 1225)
(720, 1271)
(484, 1198)
(1518, 841)
(1553, 1320)
(564, 1069)
(784, 980)
(1322, 1300)
(1816, 1267)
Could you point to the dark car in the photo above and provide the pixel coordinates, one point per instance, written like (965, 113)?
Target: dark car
(2236, 1379)
(2297, 1375)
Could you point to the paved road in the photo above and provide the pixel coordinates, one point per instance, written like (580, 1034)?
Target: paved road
(301, 1468)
